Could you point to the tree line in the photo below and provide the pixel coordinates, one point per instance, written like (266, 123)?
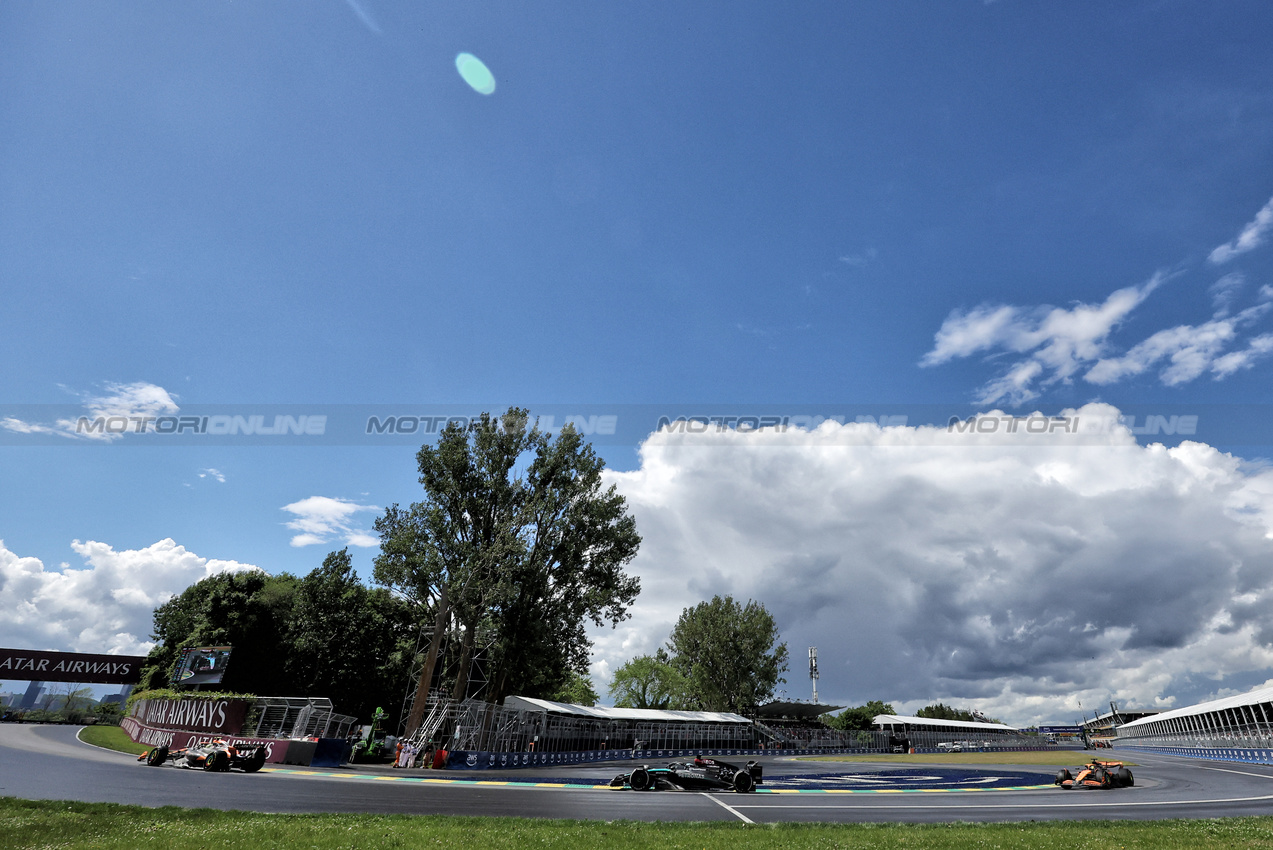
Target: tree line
(515, 548)
(862, 717)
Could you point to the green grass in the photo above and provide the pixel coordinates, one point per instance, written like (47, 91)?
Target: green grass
(1061, 758)
(111, 738)
(25, 824)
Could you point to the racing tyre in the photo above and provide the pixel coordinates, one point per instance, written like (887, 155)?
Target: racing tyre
(157, 756)
(256, 762)
(743, 782)
(641, 780)
(1124, 777)
(1062, 776)
(216, 761)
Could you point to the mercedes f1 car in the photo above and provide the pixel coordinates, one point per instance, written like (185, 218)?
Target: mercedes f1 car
(216, 756)
(702, 774)
(1097, 774)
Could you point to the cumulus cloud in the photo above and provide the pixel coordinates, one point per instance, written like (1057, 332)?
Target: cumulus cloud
(215, 474)
(1017, 574)
(1056, 341)
(106, 605)
(1251, 237)
(1189, 351)
(322, 519)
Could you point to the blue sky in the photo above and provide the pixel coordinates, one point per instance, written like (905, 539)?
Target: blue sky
(1009, 205)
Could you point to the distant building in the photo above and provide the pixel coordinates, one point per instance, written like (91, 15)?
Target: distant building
(30, 698)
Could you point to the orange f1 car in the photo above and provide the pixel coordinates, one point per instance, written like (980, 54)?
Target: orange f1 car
(216, 755)
(1097, 774)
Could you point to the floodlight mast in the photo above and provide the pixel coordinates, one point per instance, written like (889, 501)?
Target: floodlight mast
(813, 671)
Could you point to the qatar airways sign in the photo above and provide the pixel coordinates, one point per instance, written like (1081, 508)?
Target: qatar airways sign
(31, 665)
(199, 714)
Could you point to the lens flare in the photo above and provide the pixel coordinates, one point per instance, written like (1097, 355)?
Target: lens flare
(475, 73)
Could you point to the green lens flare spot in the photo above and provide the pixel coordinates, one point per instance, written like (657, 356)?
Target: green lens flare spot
(475, 73)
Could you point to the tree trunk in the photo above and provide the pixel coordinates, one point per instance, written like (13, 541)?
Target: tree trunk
(416, 716)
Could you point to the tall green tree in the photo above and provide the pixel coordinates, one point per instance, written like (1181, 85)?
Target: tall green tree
(518, 535)
(248, 610)
(650, 681)
(324, 635)
(729, 654)
(348, 642)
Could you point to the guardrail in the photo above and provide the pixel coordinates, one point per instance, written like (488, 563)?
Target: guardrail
(482, 760)
(1239, 754)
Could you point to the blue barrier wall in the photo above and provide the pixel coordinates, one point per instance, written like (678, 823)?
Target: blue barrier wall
(1213, 753)
(480, 760)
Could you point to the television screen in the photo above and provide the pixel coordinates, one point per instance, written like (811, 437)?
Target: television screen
(202, 665)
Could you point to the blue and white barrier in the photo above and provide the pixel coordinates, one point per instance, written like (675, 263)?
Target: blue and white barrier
(483, 760)
(1249, 756)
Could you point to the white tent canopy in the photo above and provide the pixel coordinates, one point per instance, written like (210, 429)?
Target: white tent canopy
(602, 712)
(882, 720)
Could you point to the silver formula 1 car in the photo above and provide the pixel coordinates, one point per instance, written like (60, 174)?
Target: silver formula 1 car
(216, 755)
(702, 774)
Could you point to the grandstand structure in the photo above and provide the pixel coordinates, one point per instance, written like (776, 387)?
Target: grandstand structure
(1105, 726)
(1243, 722)
(527, 724)
(926, 733)
(796, 724)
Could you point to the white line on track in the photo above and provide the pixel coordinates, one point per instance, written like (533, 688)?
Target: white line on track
(732, 810)
(1239, 772)
(1032, 805)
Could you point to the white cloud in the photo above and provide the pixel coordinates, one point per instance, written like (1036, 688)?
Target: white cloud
(1251, 237)
(857, 261)
(106, 606)
(1224, 290)
(10, 423)
(1017, 577)
(1057, 341)
(320, 519)
(138, 399)
(1189, 349)
(215, 474)
(1257, 348)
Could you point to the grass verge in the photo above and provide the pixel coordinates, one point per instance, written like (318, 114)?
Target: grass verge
(111, 738)
(1060, 758)
(28, 824)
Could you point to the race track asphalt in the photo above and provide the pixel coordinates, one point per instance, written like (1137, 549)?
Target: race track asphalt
(50, 763)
